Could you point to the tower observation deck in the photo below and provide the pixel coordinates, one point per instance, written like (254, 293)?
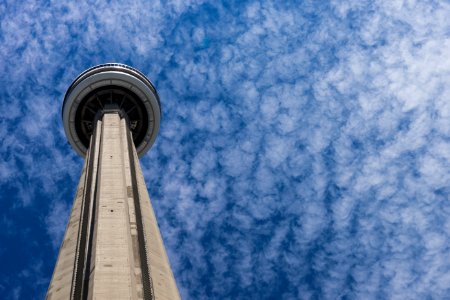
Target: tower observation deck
(112, 247)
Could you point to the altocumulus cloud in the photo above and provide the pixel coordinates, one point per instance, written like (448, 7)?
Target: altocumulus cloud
(304, 150)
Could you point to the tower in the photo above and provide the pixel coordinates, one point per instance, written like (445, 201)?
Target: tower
(112, 247)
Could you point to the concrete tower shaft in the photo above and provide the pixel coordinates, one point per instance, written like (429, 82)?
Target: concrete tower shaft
(112, 247)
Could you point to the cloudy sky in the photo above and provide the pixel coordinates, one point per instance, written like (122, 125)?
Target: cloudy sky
(304, 151)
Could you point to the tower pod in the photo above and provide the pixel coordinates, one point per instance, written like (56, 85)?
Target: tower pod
(111, 85)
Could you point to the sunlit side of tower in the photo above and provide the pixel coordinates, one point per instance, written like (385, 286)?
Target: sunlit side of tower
(112, 247)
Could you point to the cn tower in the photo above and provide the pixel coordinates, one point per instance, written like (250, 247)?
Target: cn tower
(112, 247)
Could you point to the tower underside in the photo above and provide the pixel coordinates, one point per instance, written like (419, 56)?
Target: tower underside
(112, 247)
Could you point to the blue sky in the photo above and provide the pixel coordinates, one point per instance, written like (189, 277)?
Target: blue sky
(304, 151)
